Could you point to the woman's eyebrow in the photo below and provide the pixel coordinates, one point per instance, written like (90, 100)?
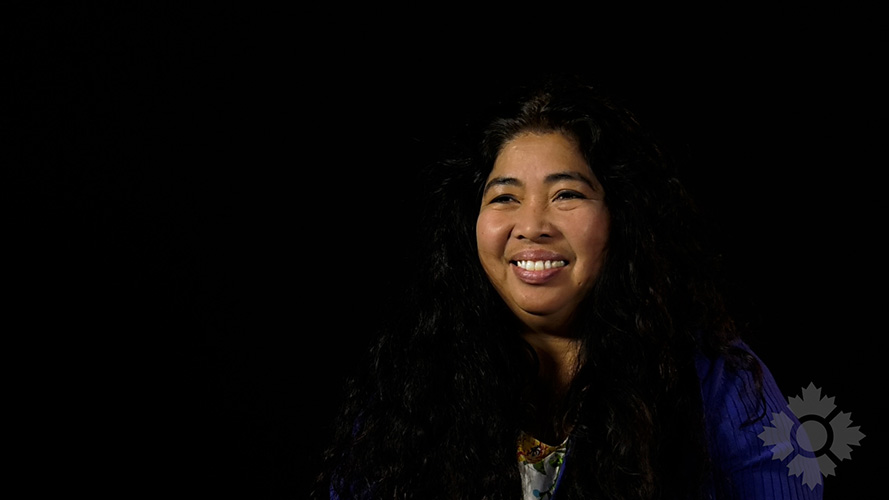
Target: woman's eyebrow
(570, 176)
(502, 181)
(550, 179)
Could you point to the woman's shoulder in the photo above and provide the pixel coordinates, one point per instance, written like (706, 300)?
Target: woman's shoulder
(737, 373)
(758, 446)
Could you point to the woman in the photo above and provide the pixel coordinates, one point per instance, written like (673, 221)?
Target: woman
(567, 338)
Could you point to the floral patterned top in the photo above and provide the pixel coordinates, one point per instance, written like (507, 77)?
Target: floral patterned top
(540, 465)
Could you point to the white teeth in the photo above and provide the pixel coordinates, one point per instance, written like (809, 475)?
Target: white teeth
(540, 265)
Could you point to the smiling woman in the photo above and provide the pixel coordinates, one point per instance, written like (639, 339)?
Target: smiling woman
(566, 337)
(542, 205)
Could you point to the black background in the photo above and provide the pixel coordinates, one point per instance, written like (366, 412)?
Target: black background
(211, 208)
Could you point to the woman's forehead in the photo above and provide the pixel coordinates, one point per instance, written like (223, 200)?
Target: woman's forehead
(544, 156)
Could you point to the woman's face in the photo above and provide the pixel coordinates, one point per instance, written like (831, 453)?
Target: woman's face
(542, 229)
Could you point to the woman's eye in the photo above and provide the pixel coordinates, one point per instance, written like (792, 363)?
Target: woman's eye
(503, 198)
(569, 195)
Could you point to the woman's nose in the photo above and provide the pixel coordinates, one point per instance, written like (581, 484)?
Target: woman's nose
(533, 223)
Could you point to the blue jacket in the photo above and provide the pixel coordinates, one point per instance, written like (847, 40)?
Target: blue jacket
(753, 459)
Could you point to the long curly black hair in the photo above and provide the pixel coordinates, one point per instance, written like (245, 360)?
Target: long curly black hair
(437, 411)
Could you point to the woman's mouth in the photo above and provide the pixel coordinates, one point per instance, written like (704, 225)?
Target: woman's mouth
(539, 265)
(537, 272)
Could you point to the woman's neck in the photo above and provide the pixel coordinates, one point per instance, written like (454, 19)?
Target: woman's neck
(557, 357)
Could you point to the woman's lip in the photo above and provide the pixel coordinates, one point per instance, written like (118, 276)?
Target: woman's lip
(535, 277)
